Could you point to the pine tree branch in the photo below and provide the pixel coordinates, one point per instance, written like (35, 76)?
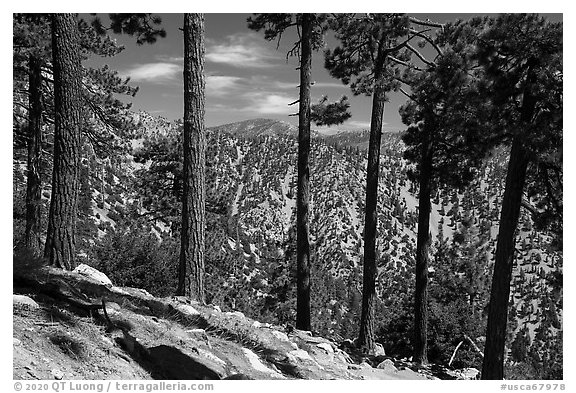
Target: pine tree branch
(428, 23)
(420, 56)
(428, 39)
(406, 94)
(404, 63)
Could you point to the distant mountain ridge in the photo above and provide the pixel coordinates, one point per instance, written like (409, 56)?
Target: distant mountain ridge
(257, 127)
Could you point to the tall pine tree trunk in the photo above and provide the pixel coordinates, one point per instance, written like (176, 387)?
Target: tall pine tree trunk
(303, 192)
(366, 337)
(191, 269)
(34, 183)
(423, 255)
(493, 364)
(60, 239)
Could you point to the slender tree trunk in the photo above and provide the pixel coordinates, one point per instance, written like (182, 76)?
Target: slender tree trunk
(60, 239)
(493, 364)
(303, 193)
(366, 337)
(34, 183)
(423, 255)
(191, 270)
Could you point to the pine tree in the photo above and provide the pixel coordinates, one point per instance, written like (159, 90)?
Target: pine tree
(34, 183)
(107, 123)
(191, 270)
(60, 241)
(30, 50)
(522, 56)
(363, 60)
(443, 139)
(311, 28)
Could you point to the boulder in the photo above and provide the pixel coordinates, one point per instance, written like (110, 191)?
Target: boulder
(280, 335)
(236, 314)
(94, 274)
(24, 301)
(57, 374)
(387, 365)
(187, 309)
(378, 350)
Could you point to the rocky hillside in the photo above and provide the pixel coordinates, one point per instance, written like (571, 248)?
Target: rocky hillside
(78, 325)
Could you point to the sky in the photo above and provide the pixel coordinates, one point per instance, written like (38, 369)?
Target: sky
(246, 76)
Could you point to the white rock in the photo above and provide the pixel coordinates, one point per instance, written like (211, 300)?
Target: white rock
(16, 342)
(325, 346)
(469, 373)
(237, 314)
(211, 356)
(301, 354)
(57, 374)
(22, 300)
(379, 350)
(94, 274)
(280, 335)
(387, 365)
(196, 331)
(256, 324)
(187, 309)
(256, 363)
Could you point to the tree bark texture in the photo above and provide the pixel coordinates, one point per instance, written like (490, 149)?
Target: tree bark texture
(493, 364)
(423, 254)
(366, 336)
(60, 239)
(191, 269)
(303, 192)
(33, 182)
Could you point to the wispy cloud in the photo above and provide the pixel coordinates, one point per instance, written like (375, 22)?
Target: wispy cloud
(359, 125)
(221, 85)
(153, 72)
(242, 51)
(170, 59)
(267, 103)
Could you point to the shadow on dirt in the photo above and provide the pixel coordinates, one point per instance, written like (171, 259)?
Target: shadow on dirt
(166, 362)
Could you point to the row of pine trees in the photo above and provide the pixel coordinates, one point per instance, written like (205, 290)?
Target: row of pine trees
(471, 86)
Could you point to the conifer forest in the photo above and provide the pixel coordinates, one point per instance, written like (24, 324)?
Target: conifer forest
(390, 185)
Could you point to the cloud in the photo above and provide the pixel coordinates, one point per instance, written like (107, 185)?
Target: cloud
(170, 59)
(242, 51)
(359, 125)
(221, 85)
(267, 103)
(154, 72)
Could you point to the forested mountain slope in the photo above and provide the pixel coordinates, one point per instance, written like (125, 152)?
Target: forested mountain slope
(129, 230)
